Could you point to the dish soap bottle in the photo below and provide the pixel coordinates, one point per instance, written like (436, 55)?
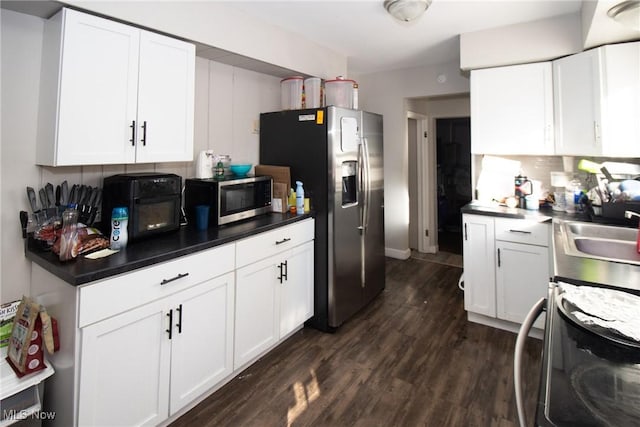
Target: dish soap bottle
(572, 196)
(119, 221)
(299, 198)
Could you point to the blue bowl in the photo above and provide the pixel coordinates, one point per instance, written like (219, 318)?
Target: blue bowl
(240, 169)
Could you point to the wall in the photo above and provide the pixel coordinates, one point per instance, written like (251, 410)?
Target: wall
(228, 101)
(214, 24)
(385, 93)
(521, 43)
(20, 61)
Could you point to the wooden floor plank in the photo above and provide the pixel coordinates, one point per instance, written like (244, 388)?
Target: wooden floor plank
(410, 358)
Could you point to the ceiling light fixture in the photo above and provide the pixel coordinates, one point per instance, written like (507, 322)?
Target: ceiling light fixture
(626, 13)
(406, 10)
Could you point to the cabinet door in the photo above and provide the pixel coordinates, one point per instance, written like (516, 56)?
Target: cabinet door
(97, 93)
(478, 259)
(621, 100)
(202, 340)
(165, 99)
(296, 290)
(522, 278)
(577, 104)
(512, 110)
(124, 374)
(257, 308)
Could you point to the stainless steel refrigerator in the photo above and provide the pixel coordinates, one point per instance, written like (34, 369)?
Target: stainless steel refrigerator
(337, 154)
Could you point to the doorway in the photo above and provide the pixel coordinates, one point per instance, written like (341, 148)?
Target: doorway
(453, 156)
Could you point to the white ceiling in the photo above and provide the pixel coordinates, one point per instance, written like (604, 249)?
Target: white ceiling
(374, 41)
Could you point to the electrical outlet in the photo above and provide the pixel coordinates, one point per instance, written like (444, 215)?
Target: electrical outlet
(256, 127)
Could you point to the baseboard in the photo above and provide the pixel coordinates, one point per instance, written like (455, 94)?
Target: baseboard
(397, 253)
(432, 249)
(502, 324)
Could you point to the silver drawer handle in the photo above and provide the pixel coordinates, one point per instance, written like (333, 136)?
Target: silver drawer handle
(179, 276)
(519, 231)
(285, 240)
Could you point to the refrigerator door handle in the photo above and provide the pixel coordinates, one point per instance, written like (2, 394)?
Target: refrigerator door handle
(367, 183)
(361, 188)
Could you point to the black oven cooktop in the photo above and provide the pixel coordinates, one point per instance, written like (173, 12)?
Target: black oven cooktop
(590, 375)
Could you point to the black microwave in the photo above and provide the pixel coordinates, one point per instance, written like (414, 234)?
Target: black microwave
(229, 199)
(153, 201)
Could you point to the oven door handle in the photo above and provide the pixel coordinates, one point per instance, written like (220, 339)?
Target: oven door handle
(533, 314)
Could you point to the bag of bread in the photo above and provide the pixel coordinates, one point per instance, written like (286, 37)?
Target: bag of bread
(31, 326)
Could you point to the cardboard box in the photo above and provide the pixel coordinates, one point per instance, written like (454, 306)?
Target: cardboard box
(281, 184)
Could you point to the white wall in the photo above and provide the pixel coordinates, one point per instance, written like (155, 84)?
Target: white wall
(385, 93)
(521, 43)
(21, 48)
(214, 24)
(228, 101)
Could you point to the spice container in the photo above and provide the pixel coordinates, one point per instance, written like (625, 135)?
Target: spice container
(291, 92)
(339, 92)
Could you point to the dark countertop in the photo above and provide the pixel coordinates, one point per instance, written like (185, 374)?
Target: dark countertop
(163, 247)
(541, 215)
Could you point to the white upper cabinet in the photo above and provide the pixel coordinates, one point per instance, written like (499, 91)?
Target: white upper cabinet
(113, 94)
(597, 101)
(512, 110)
(577, 106)
(620, 104)
(165, 99)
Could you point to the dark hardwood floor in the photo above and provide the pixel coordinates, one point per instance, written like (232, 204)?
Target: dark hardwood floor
(410, 358)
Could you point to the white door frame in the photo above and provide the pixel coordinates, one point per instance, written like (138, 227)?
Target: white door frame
(425, 180)
(430, 164)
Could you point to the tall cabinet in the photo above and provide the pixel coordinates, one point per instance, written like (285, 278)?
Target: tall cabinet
(113, 94)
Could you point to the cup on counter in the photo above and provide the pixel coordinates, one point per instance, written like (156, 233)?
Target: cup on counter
(202, 217)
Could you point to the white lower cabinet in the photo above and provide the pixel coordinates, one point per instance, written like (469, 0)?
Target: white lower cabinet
(274, 296)
(521, 280)
(140, 347)
(160, 356)
(124, 374)
(296, 289)
(506, 268)
(256, 307)
(478, 260)
(202, 339)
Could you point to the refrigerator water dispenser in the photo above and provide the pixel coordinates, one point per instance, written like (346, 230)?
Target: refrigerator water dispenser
(349, 190)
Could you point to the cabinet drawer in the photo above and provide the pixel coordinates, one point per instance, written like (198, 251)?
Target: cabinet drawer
(266, 244)
(522, 231)
(121, 293)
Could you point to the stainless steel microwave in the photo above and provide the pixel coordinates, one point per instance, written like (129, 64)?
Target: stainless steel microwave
(230, 199)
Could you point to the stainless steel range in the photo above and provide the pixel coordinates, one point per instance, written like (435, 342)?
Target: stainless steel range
(591, 360)
(590, 373)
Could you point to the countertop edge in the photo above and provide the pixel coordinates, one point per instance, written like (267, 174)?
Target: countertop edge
(187, 241)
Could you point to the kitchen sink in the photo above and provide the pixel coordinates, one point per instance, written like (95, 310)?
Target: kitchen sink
(603, 242)
(591, 230)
